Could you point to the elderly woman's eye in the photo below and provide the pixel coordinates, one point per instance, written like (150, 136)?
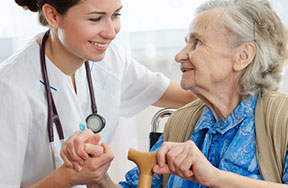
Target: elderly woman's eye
(196, 43)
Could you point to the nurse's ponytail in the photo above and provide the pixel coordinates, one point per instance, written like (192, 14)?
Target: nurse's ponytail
(61, 7)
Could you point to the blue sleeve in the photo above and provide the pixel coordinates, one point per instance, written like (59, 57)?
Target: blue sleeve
(285, 170)
(132, 176)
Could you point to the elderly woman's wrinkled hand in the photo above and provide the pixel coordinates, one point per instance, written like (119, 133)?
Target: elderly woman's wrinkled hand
(185, 160)
(80, 147)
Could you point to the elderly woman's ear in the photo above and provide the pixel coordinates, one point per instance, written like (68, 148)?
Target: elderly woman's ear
(244, 55)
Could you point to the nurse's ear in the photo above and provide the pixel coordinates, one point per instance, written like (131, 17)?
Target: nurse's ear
(244, 55)
(51, 15)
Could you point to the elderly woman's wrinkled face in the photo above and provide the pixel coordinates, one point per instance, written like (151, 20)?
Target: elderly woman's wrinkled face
(206, 60)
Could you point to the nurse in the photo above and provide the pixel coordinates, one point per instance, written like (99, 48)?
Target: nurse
(80, 31)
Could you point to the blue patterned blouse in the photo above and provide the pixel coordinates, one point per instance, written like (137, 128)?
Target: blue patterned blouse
(228, 144)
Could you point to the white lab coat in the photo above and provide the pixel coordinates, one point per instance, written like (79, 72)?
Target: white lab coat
(121, 86)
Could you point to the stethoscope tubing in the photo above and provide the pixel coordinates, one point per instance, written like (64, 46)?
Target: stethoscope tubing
(91, 90)
(52, 111)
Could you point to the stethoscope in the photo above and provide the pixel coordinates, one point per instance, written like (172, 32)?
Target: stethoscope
(94, 121)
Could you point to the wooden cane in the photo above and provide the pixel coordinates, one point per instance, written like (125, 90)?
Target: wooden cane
(145, 162)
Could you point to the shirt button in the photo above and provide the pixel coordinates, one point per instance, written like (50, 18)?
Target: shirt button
(82, 126)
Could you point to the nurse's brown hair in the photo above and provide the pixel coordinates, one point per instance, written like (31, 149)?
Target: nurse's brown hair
(61, 6)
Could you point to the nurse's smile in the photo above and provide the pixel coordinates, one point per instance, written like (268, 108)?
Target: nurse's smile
(99, 46)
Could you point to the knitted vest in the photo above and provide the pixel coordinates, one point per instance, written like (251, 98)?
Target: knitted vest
(271, 126)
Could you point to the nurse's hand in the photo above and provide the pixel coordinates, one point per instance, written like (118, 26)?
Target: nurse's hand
(73, 151)
(93, 172)
(185, 160)
(96, 166)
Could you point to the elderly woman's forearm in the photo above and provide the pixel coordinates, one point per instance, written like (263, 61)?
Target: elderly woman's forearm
(229, 179)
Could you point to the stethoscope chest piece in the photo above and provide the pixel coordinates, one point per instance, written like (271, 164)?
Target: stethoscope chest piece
(95, 122)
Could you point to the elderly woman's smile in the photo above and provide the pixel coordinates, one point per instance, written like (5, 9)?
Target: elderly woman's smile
(186, 69)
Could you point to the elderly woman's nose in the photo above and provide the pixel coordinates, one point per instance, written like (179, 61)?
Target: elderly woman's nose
(181, 56)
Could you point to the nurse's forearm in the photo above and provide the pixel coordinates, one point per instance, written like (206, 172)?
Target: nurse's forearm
(61, 177)
(175, 97)
(106, 183)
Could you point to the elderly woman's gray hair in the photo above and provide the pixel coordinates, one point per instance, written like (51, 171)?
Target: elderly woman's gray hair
(254, 20)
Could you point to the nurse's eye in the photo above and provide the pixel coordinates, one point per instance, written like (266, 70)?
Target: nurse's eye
(116, 15)
(96, 19)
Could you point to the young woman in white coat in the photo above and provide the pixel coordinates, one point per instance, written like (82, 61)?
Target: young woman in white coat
(76, 47)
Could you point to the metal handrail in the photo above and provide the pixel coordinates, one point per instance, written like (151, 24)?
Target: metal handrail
(165, 112)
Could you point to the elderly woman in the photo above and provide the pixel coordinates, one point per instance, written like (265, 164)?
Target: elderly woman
(237, 131)
(234, 55)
